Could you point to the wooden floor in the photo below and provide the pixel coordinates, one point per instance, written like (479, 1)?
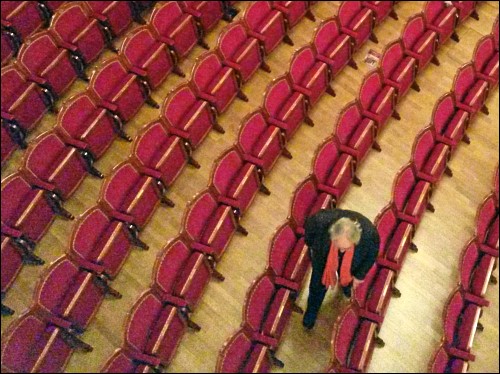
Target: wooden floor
(413, 325)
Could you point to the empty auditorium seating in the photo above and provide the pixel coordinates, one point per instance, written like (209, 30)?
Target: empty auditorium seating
(117, 90)
(266, 24)
(395, 238)
(216, 83)
(31, 344)
(206, 13)
(147, 57)
(411, 195)
(419, 41)
(117, 15)
(429, 156)
(461, 320)
(487, 225)
(76, 30)
(443, 19)
(22, 18)
(284, 107)
(398, 69)
(68, 296)
(377, 99)
(444, 362)
(189, 117)
(49, 65)
(485, 60)
(235, 181)
(130, 195)
(153, 331)
(208, 226)
(332, 46)
(288, 258)
(466, 9)
(333, 169)
(294, 11)
(470, 92)
(307, 200)
(450, 122)
(180, 277)
(476, 268)
(159, 154)
(261, 143)
(268, 307)
(356, 134)
(99, 243)
(357, 22)
(353, 341)
(381, 9)
(241, 51)
(86, 126)
(309, 76)
(240, 354)
(175, 28)
(122, 361)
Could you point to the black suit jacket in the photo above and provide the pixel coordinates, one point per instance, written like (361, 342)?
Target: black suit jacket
(318, 240)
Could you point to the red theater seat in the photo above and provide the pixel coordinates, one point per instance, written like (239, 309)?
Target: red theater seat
(381, 9)
(487, 225)
(206, 13)
(485, 60)
(117, 15)
(443, 19)
(469, 91)
(294, 11)
(466, 9)
(357, 22)
(23, 18)
(443, 362)
(419, 41)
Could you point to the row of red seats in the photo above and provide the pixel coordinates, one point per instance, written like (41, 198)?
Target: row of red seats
(271, 298)
(308, 199)
(57, 162)
(83, 248)
(479, 258)
(356, 331)
(20, 19)
(50, 61)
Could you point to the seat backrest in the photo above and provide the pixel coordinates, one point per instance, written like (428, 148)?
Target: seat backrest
(468, 261)
(17, 194)
(259, 296)
(403, 185)
(432, 10)
(164, 16)
(256, 12)
(370, 87)
(226, 167)
(485, 216)
(463, 81)
(485, 49)
(118, 183)
(413, 30)
(443, 112)
(441, 361)
(38, 51)
(178, 103)
(325, 34)
(13, 83)
(277, 92)
(301, 63)
(70, 20)
(451, 313)
(205, 69)
(42, 155)
(121, 362)
(24, 16)
(252, 126)
(348, 121)
(344, 330)
(232, 37)
(391, 57)
(108, 77)
(347, 11)
(422, 146)
(326, 156)
(197, 213)
(78, 113)
(137, 45)
(27, 346)
(386, 223)
(303, 200)
(169, 264)
(149, 141)
(281, 246)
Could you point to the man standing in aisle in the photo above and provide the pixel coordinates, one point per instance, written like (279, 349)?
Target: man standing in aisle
(343, 246)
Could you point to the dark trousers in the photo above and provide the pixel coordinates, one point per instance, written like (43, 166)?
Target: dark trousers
(317, 292)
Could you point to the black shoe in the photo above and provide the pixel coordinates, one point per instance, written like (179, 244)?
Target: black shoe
(308, 321)
(347, 291)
